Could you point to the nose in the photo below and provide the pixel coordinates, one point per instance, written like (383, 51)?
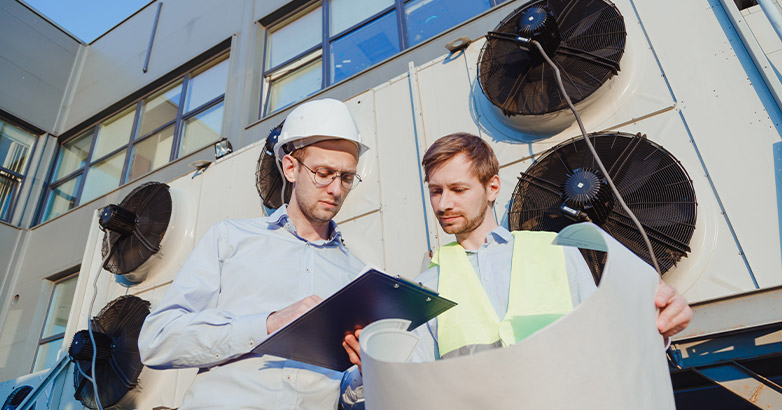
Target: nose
(445, 202)
(334, 188)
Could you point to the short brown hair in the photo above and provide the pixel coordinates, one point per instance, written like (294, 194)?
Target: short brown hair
(484, 164)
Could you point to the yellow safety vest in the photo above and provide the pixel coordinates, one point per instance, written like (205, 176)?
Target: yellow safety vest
(539, 294)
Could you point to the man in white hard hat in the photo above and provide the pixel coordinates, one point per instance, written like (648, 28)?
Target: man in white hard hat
(247, 278)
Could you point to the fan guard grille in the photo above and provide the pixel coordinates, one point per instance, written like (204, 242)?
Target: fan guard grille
(652, 182)
(151, 203)
(121, 321)
(519, 83)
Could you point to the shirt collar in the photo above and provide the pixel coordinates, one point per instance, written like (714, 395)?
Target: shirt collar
(280, 219)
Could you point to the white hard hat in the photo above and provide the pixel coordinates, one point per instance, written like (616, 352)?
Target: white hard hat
(315, 121)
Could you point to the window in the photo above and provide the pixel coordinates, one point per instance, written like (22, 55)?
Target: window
(170, 123)
(55, 324)
(15, 147)
(331, 40)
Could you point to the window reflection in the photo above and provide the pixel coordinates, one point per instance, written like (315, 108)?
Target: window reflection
(364, 47)
(159, 109)
(426, 18)
(62, 198)
(152, 153)
(103, 177)
(296, 86)
(114, 133)
(201, 130)
(73, 155)
(294, 37)
(347, 13)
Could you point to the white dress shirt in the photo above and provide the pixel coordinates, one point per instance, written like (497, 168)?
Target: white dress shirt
(214, 314)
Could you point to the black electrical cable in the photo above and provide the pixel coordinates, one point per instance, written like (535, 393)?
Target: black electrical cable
(592, 149)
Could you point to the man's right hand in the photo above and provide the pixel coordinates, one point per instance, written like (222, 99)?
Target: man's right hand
(282, 317)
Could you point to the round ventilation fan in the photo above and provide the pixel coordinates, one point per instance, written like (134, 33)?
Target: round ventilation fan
(135, 227)
(17, 397)
(118, 363)
(585, 38)
(268, 180)
(564, 187)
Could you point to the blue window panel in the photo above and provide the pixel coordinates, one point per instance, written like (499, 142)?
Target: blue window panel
(364, 47)
(427, 18)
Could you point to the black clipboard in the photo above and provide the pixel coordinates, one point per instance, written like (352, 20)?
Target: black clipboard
(316, 336)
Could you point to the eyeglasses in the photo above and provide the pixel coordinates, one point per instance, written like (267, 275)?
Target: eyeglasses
(323, 176)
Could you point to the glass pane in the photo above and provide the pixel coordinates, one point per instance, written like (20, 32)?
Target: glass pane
(73, 155)
(15, 145)
(294, 38)
(201, 130)
(364, 47)
(103, 177)
(296, 86)
(59, 308)
(114, 133)
(152, 153)
(61, 198)
(347, 13)
(7, 192)
(206, 86)
(47, 355)
(159, 109)
(426, 18)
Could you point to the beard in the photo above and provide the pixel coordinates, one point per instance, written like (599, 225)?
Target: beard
(465, 225)
(318, 212)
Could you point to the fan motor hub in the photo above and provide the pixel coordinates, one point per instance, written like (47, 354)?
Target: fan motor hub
(81, 347)
(117, 219)
(586, 190)
(539, 24)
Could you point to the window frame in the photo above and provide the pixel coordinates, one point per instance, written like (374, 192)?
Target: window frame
(59, 279)
(324, 46)
(7, 173)
(136, 106)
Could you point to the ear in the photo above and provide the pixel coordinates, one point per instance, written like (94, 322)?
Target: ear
(493, 188)
(289, 168)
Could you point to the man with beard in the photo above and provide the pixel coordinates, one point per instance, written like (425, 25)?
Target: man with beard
(247, 278)
(507, 284)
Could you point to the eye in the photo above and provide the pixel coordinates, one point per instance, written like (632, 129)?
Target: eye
(325, 172)
(348, 177)
(435, 191)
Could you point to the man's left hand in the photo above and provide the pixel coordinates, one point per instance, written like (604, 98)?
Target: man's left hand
(675, 313)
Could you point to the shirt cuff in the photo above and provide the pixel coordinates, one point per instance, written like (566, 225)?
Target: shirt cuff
(250, 331)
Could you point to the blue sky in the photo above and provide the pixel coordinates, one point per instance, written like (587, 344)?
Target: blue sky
(87, 19)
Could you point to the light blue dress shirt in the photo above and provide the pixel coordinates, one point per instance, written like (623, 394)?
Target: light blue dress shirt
(214, 314)
(492, 263)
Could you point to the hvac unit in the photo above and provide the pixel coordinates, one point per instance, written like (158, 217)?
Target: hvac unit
(602, 55)
(134, 251)
(115, 331)
(268, 179)
(564, 186)
(14, 392)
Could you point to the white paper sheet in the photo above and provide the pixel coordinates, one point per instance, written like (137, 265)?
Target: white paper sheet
(606, 354)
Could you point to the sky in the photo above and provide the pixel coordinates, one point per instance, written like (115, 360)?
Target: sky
(87, 19)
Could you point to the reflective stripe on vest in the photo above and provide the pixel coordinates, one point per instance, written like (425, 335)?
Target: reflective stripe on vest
(539, 294)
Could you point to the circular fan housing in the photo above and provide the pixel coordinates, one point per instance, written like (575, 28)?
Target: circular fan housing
(16, 398)
(135, 229)
(652, 182)
(588, 54)
(268, 180)
(116, 329)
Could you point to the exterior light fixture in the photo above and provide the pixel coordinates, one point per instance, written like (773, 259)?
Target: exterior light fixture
(223, 148)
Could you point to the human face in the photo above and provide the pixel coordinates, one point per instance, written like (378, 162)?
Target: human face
(319, 204)
(459, 199)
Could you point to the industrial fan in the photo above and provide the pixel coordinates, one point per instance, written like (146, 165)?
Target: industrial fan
(135, 228)
(17, 397)
(564, 187)
(118, 365)
(585, 38)
(268, 180)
